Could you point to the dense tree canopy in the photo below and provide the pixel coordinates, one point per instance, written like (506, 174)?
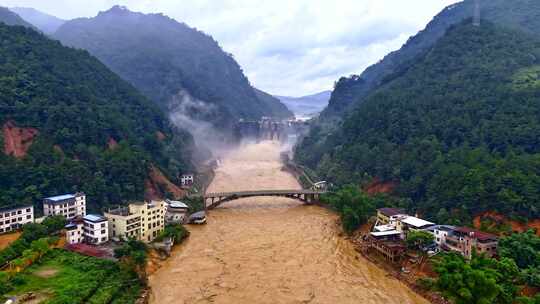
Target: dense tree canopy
(78, 107)
(458, 129)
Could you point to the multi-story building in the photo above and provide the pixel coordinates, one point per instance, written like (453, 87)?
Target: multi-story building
(14, 218)
(75, 231)
(124, 224)
(408, 223)
(187, 180)
(142, 221)
(176, 212)
(440, 232)
(96, 229)
(68, 205)
(387, 215)
(466, 240)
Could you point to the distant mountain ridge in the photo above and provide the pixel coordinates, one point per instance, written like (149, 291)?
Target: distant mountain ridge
(307, 106)
(10, 18)
(44, 22)
(523, 15)
(167, 61)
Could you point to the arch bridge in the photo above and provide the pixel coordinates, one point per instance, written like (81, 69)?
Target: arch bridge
(213, 200)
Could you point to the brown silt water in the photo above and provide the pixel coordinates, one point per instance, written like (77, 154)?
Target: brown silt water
(269, 250)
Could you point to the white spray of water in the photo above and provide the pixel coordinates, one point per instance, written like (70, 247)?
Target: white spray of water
(188, 112)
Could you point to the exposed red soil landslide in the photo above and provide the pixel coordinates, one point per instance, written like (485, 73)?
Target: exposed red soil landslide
(112, 143)
(160, 136)
(377, 186)
(515, 225)
(17, 140)
(157, 184)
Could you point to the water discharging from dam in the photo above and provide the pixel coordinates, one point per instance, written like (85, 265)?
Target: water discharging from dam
(269, 250)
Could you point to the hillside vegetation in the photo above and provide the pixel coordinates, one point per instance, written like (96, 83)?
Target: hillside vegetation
(165, 59)
(95, 132)
(458, 129)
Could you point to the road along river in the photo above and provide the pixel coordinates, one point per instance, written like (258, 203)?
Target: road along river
(269, 250)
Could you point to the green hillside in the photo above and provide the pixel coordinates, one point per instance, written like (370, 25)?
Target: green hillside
(458, 129)
(162, 57)
(80, 110)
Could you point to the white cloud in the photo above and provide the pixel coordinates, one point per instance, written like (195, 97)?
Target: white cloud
(286, 47)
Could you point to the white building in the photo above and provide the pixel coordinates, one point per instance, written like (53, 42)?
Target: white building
(75, 231)
(409, 223)
(441, 232)
(96, 229)
(68, 205)
(187, 180)
(176, 212)
(14, 218)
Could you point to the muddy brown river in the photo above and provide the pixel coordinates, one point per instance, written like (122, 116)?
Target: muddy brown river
(269, 250)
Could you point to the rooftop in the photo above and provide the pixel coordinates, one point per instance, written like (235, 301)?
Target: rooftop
(442, 228)
(177, 204)
(417, 222)
(482, 236)
(4, 209)
(59, 198)
(95, 218)
(385, 228)
(391, 211)
(121, 211)
(385, 233)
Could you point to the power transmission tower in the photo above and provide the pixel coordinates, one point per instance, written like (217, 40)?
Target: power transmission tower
(476, 18)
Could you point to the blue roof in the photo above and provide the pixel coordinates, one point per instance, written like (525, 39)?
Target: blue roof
(94, 218)
(60, 197)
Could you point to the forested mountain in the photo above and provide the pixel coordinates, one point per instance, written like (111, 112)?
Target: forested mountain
(70, 124)
(277, 108)
(165, 59)
(457, 131)
(10, 18)
(307, 106)
(523, 15)
(44, 22)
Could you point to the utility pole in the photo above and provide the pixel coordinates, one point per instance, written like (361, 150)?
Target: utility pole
(476, 18)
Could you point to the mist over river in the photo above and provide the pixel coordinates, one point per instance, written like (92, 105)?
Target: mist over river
(269, 250)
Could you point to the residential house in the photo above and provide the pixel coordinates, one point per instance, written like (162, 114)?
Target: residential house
(411, 223)
(142, 221)
(75, 231)
(15, 217)
(96, 229)
(68, 205)
(176, 212)
(124, 223)
(440, 232)
(387, 215)
(467, 240)
(187, 180)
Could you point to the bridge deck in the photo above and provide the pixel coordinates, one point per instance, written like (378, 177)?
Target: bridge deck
(262, 193)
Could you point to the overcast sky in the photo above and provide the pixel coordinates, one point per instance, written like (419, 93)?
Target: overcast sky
(286, 47)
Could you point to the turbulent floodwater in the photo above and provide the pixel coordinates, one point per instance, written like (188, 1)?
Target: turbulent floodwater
(269, 250)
